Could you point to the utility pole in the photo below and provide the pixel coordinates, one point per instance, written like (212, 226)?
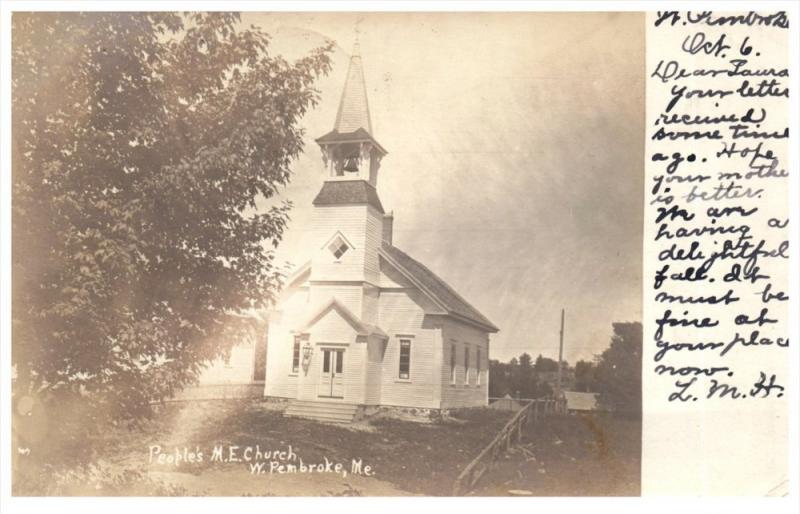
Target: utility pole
(560, 352)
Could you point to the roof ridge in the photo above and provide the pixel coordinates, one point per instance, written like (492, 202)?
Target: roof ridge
(481, 318)
(335, 303)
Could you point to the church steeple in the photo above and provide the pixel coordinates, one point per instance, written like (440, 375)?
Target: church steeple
(350, 150)
(353, 111)
(349, 222)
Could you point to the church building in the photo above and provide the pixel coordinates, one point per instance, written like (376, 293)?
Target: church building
(362, 325)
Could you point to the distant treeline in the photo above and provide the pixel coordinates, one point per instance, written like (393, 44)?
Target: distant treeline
(615, 374)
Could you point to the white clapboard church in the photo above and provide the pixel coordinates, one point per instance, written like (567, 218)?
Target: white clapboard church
(362, 325)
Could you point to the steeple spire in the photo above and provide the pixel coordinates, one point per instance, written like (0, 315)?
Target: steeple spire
(353, 111)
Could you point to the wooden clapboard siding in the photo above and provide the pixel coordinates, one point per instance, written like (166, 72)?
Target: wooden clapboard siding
(373, 239)
(332, 328)
(374, 372)
(361, 226)
(464, 336)
(355, 367)
(350, 295)
(280, 380)
(402, 314)
(369, 305)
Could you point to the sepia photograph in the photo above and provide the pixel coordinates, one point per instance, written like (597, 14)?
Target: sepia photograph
(327, 253)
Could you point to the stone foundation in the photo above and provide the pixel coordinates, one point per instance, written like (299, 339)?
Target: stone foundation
(417, 414)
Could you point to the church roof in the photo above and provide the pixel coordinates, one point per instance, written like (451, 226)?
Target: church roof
(438, 288)
(361, 328)
(357, 136)
(344, 192)
(353, 111)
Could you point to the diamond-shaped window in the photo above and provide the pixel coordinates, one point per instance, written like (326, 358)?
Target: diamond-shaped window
(338, 247)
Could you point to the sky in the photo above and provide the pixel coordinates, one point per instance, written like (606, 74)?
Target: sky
(515, 165)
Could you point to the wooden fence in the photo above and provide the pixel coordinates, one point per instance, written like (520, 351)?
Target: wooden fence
(511, 433)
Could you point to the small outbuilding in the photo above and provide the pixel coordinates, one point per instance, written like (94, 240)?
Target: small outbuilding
(579, 402)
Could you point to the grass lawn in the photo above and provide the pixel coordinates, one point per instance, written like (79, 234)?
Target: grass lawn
(572, 455)
(406, 457)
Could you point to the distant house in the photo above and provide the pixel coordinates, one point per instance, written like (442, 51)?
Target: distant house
(578, 402)
(505, 403)
(362, 324)
(239, 374)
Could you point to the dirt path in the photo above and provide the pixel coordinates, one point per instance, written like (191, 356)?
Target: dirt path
(593, 455)
(227, 479)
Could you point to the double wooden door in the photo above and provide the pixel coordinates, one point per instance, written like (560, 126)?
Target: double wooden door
(332, 379)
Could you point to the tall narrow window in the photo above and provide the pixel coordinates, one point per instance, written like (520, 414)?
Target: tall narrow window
(339, 361)
(405, 358)
(452, 363)
(296, 355)
(466, 365)
(478, 366)
(326, 361)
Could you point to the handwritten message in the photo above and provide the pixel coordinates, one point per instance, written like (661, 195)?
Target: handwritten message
(716, 365)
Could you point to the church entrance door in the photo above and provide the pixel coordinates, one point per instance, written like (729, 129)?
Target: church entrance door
(332, 383)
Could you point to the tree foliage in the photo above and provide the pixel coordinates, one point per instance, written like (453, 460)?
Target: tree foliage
(585, 380)
(517, 378)
(142, 143)
(544, 364)
(618, 373)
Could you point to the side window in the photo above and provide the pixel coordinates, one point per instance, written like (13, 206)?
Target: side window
(296, 355)
(404, 371)
(478, 366)
(452, 363)
(466, 365)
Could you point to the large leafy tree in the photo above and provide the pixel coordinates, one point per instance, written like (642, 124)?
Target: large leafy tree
(618, 372)
(142, 145)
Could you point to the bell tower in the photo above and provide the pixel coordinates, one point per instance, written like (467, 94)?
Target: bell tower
(350, 151)
(349, 223)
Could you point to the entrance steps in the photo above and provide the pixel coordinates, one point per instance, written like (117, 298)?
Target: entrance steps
(331, 412)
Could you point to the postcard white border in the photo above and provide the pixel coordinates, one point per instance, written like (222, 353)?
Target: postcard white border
(389, 505)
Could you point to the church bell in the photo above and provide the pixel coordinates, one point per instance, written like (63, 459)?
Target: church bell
(351, 164)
